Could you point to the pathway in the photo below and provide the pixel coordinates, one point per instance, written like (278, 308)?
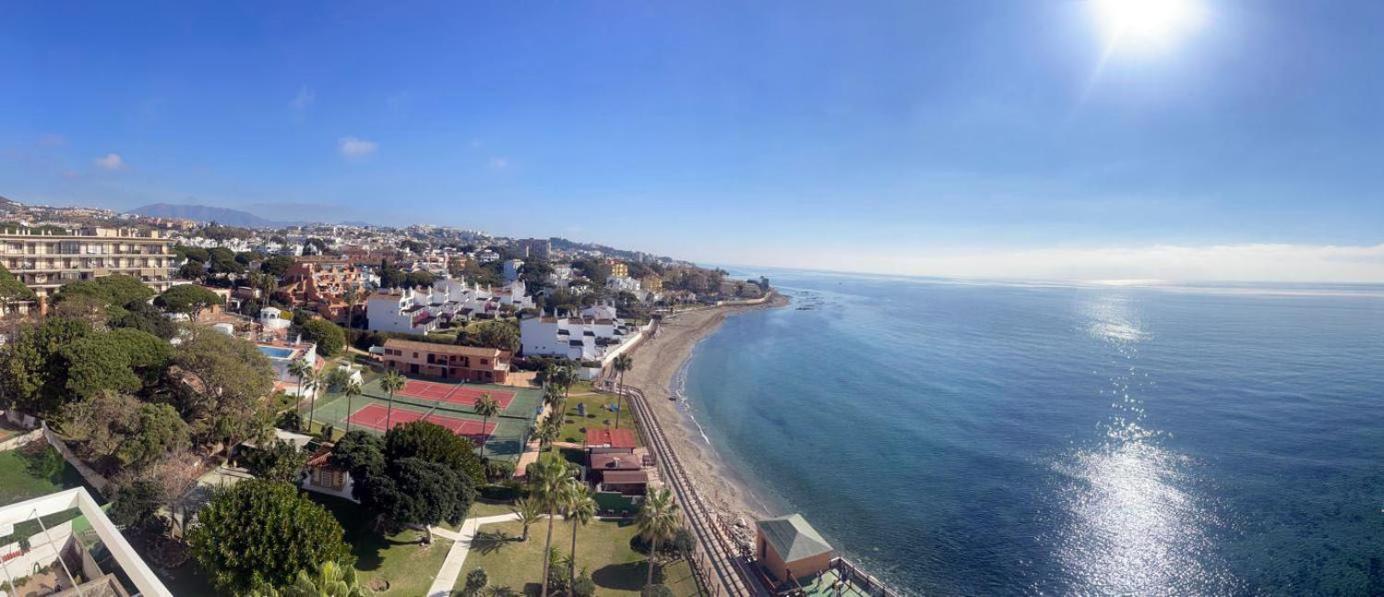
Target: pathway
(456, 557)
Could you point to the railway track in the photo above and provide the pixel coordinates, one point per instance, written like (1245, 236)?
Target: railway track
(731, 575)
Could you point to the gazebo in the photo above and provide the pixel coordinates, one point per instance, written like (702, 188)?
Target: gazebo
(789, 548)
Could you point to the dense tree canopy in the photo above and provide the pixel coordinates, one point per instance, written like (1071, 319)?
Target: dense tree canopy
(142, 316)
(503, 335)
(434, 443)
(277, 265)
(12, 290)
(32, 374)
(187, 298)
(419, 278)
(416, 491)
(257, 533)
(280, 461)
(112, 425)
(113, 291)
(123, 360)
(225, 382)
(328, 336)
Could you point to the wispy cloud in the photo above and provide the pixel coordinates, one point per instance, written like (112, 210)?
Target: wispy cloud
(354, 147)
(110, 162)
(304, 99)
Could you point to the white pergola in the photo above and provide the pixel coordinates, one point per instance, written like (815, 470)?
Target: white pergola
(78, 498)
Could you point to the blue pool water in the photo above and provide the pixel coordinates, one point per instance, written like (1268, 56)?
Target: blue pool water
(1007, 439)
(275, 352)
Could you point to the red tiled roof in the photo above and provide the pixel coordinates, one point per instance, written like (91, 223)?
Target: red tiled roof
(610, 438)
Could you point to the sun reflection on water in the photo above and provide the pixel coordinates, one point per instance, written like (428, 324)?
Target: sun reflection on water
(1133, 526)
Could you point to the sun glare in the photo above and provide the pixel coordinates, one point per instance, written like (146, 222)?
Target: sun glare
(1149, 22)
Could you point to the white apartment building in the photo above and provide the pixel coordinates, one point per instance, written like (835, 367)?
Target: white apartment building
(586, 338)
(422, 310)
(622, 284)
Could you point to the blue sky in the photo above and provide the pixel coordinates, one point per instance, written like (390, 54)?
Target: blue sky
(982, 137)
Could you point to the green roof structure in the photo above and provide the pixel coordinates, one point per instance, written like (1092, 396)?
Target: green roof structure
(792, 538)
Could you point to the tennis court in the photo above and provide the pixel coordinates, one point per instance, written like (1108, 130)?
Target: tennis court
(447, 404)
(453, 393)
(374, 416)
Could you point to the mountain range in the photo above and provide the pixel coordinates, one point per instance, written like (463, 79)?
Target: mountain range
(207, 213)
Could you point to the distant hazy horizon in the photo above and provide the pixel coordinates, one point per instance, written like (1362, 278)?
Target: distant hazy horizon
(1168, 139)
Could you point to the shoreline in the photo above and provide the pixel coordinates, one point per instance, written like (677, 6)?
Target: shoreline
(657, 363)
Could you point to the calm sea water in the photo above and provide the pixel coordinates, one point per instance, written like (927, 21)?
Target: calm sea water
(1006, 439)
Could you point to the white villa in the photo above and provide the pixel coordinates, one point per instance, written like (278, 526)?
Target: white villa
(596, 335)
(422, 310)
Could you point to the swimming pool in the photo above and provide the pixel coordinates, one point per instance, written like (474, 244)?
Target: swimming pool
(275, 352)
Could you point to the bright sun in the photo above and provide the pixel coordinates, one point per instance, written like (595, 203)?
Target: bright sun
(1153, 22)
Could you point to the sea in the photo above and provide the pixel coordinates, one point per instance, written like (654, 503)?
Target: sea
(964, 438)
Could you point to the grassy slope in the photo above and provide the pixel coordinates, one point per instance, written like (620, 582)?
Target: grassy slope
(407, 566)
(603, 548)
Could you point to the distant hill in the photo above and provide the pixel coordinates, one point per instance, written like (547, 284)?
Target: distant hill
(206, 213)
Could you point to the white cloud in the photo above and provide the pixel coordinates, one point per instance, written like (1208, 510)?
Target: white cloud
(1171, 263)
(304, 99)
(498, 163)
(352, 147)
(110, 162)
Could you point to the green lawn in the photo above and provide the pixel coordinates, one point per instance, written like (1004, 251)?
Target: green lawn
(483, 508)
(574, 425)
(399, 560)
(21, 479)
(603, 548)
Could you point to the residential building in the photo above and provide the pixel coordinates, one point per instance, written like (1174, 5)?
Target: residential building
(618, 268)
(447, 361)
(44, 261)
(622, 284)
(422, 310)
(652, 283)
(588, 338)
(329, 286)
(605, 440)
(536, 248)
(281, 355)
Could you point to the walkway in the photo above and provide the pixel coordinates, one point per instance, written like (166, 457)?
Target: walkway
(451, 567)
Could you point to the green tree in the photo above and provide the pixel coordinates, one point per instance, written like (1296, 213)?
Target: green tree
(160, 431)
(419, 278)
(414, 491)
(434, 443)
(123, 359)
(476, 580)
(12, 290)
(393, 382)
(192, 270)
(223, 262)
(32, 374)
(351, 390)
(529, 511)
(224, 385)
(486, 407)
(189, 299)
(621, 364)
(277, 265)
(657, 521)
(360, 453)
(492, 334)
(581, 508)
(281, 461)
(330, 580)
(300, 368)
(261, 533)
(113, 291)
(311, 383)
(142, 316)
(328, 336)
(548, 478)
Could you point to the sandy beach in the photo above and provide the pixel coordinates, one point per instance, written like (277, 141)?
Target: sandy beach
(656, 362)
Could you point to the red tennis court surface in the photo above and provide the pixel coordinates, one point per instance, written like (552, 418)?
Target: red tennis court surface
(452, 393)
(374, 416)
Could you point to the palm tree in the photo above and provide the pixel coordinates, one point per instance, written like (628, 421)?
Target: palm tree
(298, 368)
(580, 510)
(548, 476)
(332, 580)
(552, 398)
(351, 390)
(486, 407)
(657, 521)
(390, 383)
(549, 431)
(622, 364)
(529, 511)
(311, 382)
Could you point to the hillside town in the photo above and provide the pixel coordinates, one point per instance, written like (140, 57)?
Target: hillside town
(412, 399)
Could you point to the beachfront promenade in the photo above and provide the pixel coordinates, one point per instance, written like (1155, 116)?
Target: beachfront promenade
(730, 573)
